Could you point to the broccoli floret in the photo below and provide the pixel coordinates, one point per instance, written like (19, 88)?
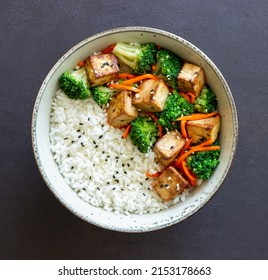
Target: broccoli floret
(102, 94)
(140, 58)
(175, 107)
(143, 133)
(202, 164)
(75, 84)
(206, 102)
(169, 65)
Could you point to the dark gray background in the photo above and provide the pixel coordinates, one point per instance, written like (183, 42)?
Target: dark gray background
(35, 34)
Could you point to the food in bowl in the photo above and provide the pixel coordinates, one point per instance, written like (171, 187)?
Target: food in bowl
(134, 128)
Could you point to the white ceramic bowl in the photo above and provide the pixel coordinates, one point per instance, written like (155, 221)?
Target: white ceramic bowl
(41, 127)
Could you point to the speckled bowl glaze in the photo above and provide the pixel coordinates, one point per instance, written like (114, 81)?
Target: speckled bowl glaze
(133, 223)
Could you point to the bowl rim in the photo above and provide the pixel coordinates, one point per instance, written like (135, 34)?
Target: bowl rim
(104, 34)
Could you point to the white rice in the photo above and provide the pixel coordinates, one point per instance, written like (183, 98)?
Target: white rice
(101, 167)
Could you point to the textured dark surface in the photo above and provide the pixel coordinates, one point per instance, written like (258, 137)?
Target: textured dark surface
(35, 34)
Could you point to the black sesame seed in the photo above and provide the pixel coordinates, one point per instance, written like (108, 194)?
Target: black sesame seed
(66, 138)
(106, 159)
(123, 165)
(103, 152)
(172, 147)
(94, 142)
(166, 185)
(144, 194)
(146, 179)
(96, 146)
(125, 172)
(79, 136)
(128, 165)
(88, 118)
(100, 136)
(72, 167)
(82, 144)
(68, 155)
(73, 141)
(98, 188)
(81, 123)
(90, 177)
(78, 130)
(116, 172)
(114, 189)
(113, 176)
(84, 189)
(132, 158)
(108, 183)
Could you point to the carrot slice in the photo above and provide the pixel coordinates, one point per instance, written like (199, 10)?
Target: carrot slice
(139, 78)
(204, 144)
(126, 133)
(186, 146)
(195, 149)
(184, 95)
(81, 63)
(126, 76)
(121, 86)
(192, 97)
(108, 49)
(188, 174)
(154, 175)
(197, 116)
(159, 126)
(183, 129)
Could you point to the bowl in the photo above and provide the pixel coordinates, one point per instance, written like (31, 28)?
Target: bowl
(133, 223)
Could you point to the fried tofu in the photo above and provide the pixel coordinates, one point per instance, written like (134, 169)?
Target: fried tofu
(121, 111)
(205, 129)
(101, 69)
(191, 78)
(152, 97)
(169, 184)
(168, 147)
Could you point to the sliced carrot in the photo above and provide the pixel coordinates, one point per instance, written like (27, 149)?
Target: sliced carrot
(108, 49)
(195, 149)
(186, 146)
(126, 76)
(126, 133)
(139, 78)
(81, 63)
(154, 175)
(152, 116)
(188, 174)
(183, 129)
(159, 126)
(192, 97)
(184, 95)
(197, 116)
(204, 144)
(121, 86)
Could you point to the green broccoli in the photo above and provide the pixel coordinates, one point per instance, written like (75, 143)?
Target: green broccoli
(75, 84)
(169, 65)
(102, 94)
(175, 107)
(202, 164)
(140, 58)
(206, 102)
(143, 133)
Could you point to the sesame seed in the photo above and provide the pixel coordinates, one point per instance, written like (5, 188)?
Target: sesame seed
(137, 95)
(72, 167)
(100, 136)
(78, 130)
(81, 123)
(169, 178)
(172, 147)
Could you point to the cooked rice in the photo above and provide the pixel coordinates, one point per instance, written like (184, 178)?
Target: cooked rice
(101, 167)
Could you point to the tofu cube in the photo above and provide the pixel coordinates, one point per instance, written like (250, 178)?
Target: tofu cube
(121, 111)
(169, 184)
(191, 78)
(152, 97)
(205, 129)
(168, 147)
(101, 69)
